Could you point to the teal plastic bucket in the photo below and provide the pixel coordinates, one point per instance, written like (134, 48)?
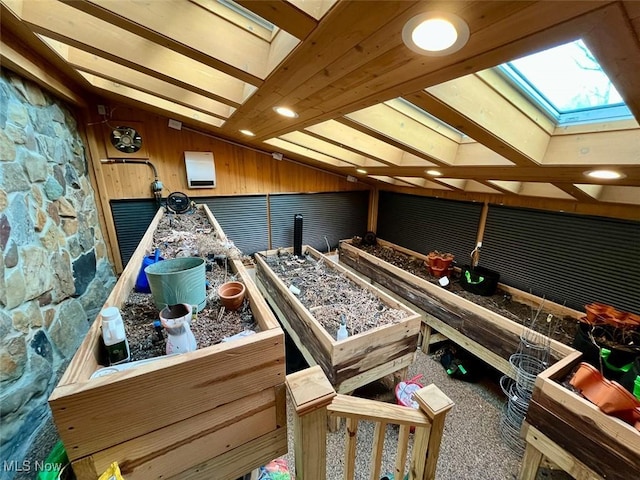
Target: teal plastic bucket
(178, 280)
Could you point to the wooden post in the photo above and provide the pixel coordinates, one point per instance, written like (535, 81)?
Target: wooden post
(530, 463)
(310, 392)
(372, 220)
(435, 404)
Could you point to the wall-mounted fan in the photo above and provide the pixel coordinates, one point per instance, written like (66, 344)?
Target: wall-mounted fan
(124, 139)
(178, 202)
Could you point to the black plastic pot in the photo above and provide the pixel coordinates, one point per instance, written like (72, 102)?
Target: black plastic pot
(479, 280)
(613, 363)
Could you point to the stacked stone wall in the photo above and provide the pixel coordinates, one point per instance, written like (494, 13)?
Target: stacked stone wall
(55, 273)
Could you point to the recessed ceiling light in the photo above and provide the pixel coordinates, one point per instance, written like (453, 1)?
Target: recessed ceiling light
(248, 133)
(604, 174)
(285, 112)
(361, 170)
(433, 173)
(435, 33)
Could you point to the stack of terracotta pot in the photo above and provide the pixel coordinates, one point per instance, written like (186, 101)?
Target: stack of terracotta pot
(611, 397)
(602, 314)
(439, 264)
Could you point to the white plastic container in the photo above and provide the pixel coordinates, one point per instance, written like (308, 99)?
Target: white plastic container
(114, 336)
(342, 332)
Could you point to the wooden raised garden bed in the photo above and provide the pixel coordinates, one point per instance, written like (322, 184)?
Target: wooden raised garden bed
(486, 334)
(574, 433)
(217, 412)
(360, 358)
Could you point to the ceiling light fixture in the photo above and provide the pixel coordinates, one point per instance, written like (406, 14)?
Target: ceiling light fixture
(248, 133)
(435, 33)
(361, 170)
(285, 112)
(604, 174)
(433, 173)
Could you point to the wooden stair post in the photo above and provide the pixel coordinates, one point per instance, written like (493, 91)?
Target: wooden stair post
(310, 392)
(435, 404)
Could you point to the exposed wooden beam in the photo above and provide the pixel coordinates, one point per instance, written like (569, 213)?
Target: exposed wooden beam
(407, 131)
(545, 174)
(345, 28)
(221, 10)
(73, 27)
(316, 9)
(391, 141)
(375, 160)
(178, 111)
(471, 106)
(180, 26)
(283, 14)
(316, 158)
(575, 192)
(25, 54)
(321, 145)
(358, 141)
(126, 76)
(21, 61)
(617, 47)
(383, 68)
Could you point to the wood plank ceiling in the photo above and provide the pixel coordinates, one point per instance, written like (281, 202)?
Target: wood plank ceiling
(365, 102)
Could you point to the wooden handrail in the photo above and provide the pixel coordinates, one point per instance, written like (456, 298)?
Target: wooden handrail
(314, 398)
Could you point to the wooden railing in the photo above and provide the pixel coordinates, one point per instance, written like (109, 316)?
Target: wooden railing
(314, 398)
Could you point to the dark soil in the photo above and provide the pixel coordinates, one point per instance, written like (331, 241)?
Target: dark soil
(330, 296)
(188, 235)
(560, 329)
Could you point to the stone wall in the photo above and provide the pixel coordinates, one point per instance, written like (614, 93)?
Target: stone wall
(55, 273)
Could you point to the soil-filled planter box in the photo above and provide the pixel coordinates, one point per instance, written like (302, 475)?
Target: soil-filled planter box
(604, 444)
(217, 412)
(357, 360)
(488, 335)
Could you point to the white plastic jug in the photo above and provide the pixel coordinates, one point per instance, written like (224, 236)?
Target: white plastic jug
(114, 336)
(176, 321)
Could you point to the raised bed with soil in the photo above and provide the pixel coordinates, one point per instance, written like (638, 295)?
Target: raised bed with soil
(383, 333)
(212, 413)
(191, 235)
(491, 333)
(560, 424)
(574, 433)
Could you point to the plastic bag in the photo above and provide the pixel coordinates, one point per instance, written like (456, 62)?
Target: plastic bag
(112, 473)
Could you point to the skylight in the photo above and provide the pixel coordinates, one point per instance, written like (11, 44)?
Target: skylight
(248, 14)
(568, 83)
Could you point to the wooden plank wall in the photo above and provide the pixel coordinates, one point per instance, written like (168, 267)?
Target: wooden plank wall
(239, 170)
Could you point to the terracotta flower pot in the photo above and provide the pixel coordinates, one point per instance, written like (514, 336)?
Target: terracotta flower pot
(439, 263)
(602, 314)
(615, 398)
(610, 397)
(597, 313)
(588, 380)
(232, 295)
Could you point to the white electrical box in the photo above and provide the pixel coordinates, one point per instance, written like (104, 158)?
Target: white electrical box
(201, 169)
